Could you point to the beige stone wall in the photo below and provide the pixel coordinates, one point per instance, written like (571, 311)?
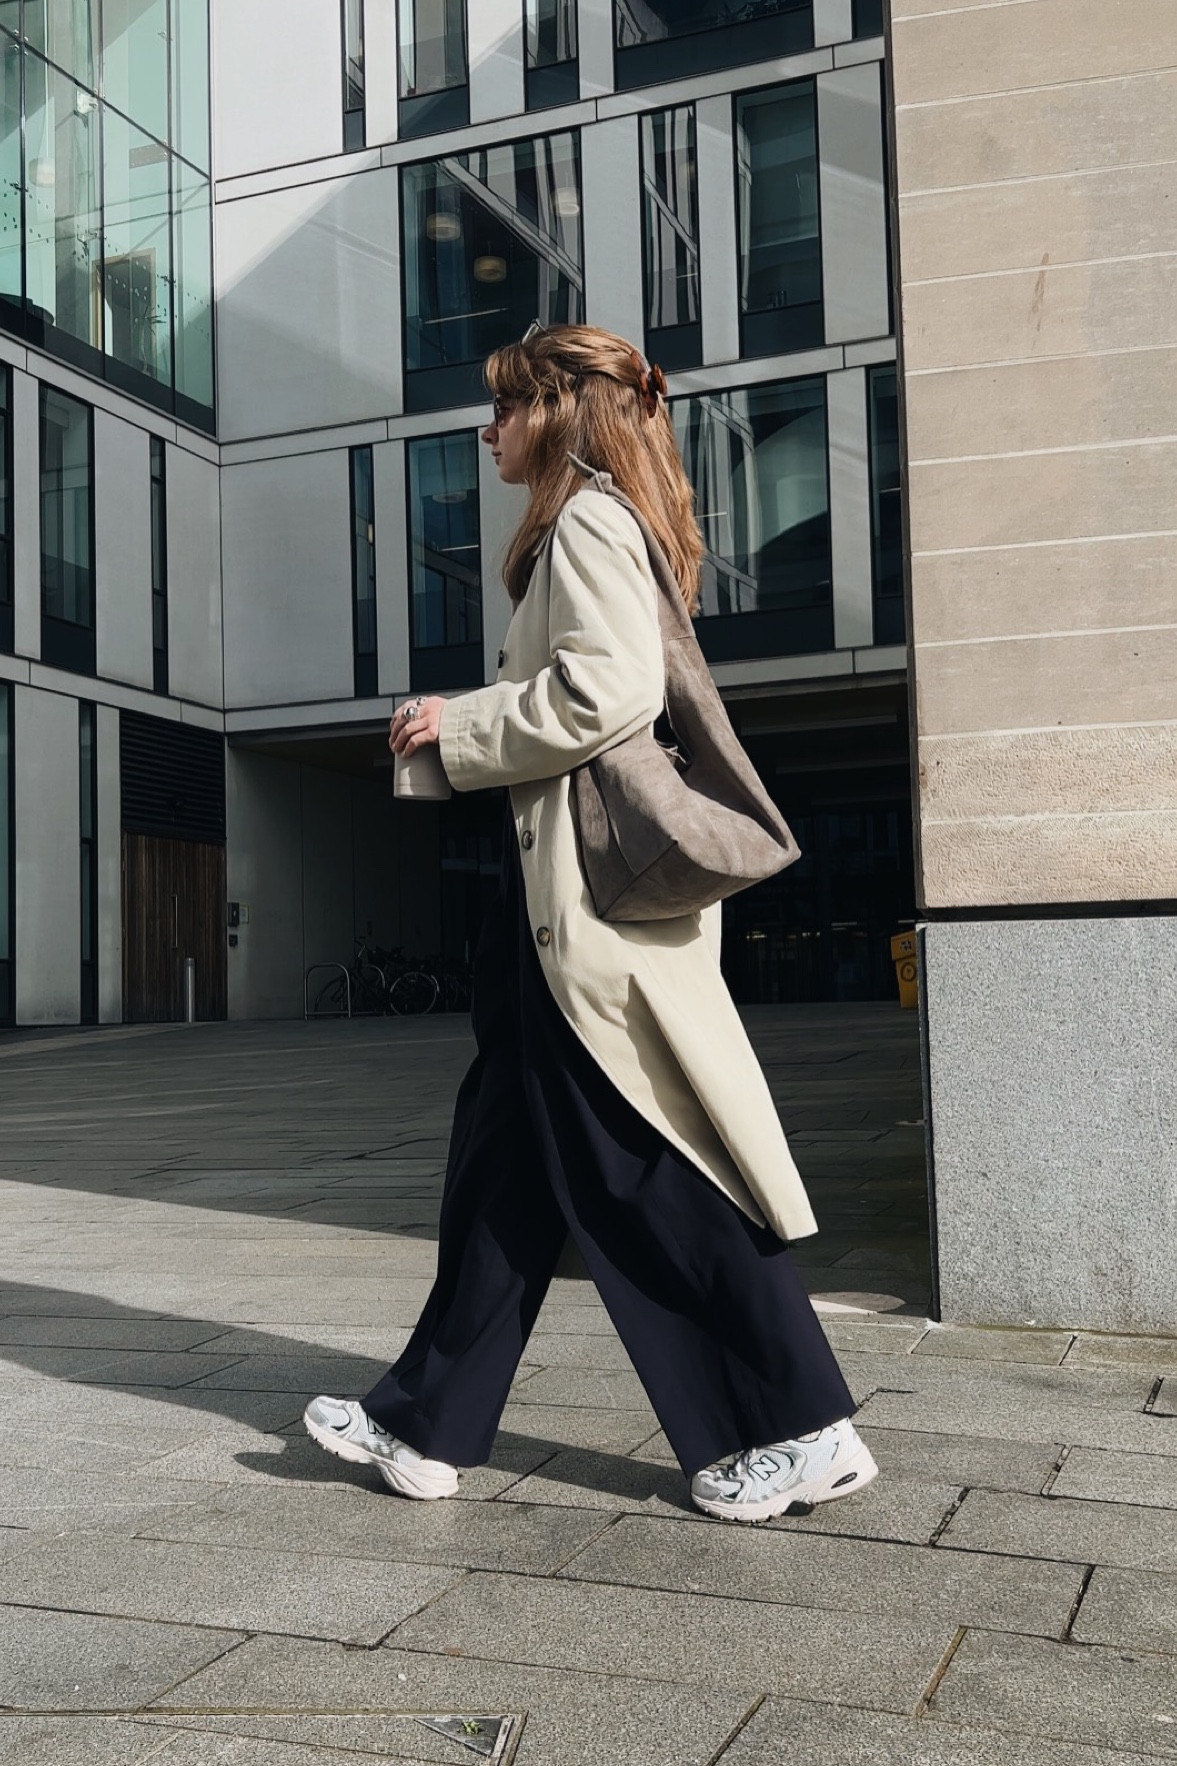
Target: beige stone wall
(1036, 180)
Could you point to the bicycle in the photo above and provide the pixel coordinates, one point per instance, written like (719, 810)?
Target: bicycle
(409, 987)
(368, 988)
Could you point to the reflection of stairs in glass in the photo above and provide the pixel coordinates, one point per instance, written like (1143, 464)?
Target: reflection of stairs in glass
(546, 248)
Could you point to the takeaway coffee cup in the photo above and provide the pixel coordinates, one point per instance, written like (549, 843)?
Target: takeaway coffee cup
(421, 776)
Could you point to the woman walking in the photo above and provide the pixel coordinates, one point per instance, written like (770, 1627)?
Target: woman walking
(614, 1095)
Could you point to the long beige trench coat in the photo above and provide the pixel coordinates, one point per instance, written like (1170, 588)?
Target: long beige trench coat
(582, 668)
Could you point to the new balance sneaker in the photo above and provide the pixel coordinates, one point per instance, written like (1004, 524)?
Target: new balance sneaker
(787, 1477)
(344, 1428)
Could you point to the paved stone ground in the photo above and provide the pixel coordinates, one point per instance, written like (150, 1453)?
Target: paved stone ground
(203, 1227)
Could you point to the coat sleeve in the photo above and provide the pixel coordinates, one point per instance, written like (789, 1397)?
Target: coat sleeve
(606, 677)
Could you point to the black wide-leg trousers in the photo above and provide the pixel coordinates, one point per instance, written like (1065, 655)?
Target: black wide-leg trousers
(708, 1305)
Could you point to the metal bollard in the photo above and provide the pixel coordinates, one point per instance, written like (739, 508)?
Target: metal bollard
(189, 990)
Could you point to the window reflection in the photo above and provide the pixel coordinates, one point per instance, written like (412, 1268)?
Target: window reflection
(446, 605)
(492, 241)
(666, 39)
(63, 217)
(67, 481)
(10, 171)
(7, 614)
(353, 75)
(363, 558)
(136, 274)
(7, 855)
(64, 32)
(432, 46)
(194, 286)
(551, 32)
(780, 240)
(670, 204)
(135, 39)
(757, 460)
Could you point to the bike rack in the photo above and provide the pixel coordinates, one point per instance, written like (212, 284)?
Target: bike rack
(306, 982)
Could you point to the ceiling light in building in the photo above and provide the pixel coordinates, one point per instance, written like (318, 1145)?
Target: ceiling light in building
(566, 202)
(490, 269)
(440, 225)
(448, 496)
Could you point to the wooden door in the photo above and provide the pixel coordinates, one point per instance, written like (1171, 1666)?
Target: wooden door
(173, 907)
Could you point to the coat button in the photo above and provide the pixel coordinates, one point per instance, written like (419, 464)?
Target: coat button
(543, 936)
(528, 840)
(502, 657)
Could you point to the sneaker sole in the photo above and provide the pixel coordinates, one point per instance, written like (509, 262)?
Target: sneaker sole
(406, 1481)
(851, 1476)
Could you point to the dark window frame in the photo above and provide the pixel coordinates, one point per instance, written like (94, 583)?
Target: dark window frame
(67, 644)
(365, 662)
(767, 327)
(888, 610)
(88, 859)
(461, 665)
(868, 19)
(713, 49)
(552, 83)
(8, 964)
(432, 113)
(7, 567)
(159, 564)
(355, 135)
(19, 320)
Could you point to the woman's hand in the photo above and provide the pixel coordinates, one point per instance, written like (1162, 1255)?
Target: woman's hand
(417, 722)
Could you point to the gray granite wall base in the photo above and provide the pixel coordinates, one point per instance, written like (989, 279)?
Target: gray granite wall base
(1052, 1068)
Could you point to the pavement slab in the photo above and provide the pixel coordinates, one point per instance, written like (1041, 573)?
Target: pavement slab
(76, 1741)
(378, 1527)
(1062, 1692)
(835, 1575)
(685, 1638)
(356, 1735)
(795, 1730)
(962, 1343)
(55, 1660)
(573, 1717)
(1134, 1538)
(1132, 1609)
(1142, 1478)
(349, 1599)
(964, 1460)
(1157, 1355)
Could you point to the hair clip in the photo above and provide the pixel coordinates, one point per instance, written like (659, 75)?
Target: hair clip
(651, 382)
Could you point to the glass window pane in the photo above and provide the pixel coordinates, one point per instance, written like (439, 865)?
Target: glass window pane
(193, 296)
(886, 516)
(551, 32)
(432, 46)
(446, 604)
(66, 480)
(671, 211)
(86, 773)
(10, 16)
(353, 61)
(135, 54)
(64, 224)
(492, 241)
(780, 246)
(757, 460)
(364, 551)
(10, 172)
(65, 32)
(137, 275)
(190, 80)
(652, 21)
(5, 823)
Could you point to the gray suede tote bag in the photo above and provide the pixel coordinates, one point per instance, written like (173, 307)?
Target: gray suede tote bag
(673, 819)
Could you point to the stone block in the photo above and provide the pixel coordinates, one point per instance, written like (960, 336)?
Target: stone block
(360, 1524)
(1055, 1200)
(1024, 861)
(793, 1729)
(80, 1661)
(1120, 1534)
(960, 1343)
(837, 1575)
(351, 1600)
(745, 1645)
(587, 1388)
(304, 1375)
(76, 1741)
(1094, 1696)
(1141, 1478)
(581, 1479)
(1155, 1355)
(1130, 1610)
(968, 1461)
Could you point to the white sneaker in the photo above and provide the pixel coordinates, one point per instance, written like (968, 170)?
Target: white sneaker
(787, 1477)
(344, 1428)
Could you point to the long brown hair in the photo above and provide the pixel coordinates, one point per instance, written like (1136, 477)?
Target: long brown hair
(587, 392)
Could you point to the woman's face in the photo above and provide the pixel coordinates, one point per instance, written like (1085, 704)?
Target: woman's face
(504, 436)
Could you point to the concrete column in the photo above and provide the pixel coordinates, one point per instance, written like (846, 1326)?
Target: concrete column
(26, 515)
(595, 27)
(719, 257)
(122, 551)
(381, 73)
(850, 535)
(48, 864)
(612, 213)
(495, 40)
(853, 210)
(392, 567)
(110, 870)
